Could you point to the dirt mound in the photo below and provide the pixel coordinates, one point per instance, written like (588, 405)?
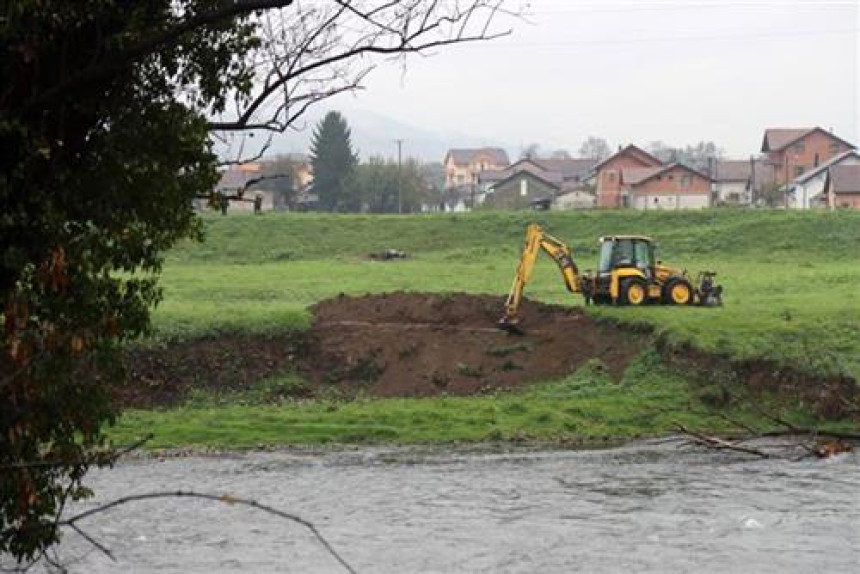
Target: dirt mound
(406, 344)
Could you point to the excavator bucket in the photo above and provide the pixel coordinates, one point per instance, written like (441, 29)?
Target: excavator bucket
(510, 325)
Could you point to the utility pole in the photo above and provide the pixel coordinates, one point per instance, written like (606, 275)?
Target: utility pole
(752, 181)
(399, 176)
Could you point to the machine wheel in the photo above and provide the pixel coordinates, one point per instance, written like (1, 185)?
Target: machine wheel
(678, 292)
(633, 292)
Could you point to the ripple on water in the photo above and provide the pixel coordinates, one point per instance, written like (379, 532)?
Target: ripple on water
(642, 508)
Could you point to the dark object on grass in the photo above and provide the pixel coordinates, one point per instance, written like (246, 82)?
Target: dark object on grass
(388, 255)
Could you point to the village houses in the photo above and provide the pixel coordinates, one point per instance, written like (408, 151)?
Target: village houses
(634, 178)
(810, 190)
(792, 152)
(740, 182)
(538, 183)
(807, 166)
(464, 166)
(240, 184)
(842, 186)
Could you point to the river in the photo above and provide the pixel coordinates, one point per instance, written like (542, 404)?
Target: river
(649, 507)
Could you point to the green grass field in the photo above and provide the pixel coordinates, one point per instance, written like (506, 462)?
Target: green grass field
(791, 279)
(791, 283)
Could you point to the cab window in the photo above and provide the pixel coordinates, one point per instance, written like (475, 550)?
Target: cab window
(624, 254)
(644, 255)
(605, 263)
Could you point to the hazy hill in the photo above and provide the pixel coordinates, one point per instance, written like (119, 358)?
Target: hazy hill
(375, 134)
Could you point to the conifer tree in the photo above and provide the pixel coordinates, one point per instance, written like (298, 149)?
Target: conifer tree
(333, 161)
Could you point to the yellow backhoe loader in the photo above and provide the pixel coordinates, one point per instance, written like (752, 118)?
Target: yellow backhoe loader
(627, 274)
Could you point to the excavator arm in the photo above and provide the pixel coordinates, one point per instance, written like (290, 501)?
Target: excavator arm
(537, 240)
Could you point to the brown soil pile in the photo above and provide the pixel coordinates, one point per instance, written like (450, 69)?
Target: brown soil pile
(406, 344)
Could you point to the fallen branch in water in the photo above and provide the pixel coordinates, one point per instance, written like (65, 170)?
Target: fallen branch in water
(718, 443)
(223, 498)
(822, 445)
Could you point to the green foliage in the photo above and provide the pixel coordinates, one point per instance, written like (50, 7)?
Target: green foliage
(333, 161)
(385, 187)
(100, 163)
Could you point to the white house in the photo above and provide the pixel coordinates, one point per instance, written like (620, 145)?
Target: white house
(740, 182)
(807, 190)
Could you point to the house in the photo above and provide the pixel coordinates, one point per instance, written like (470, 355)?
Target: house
(237, 182)
(303, 174)
(740, 182)
(572, 170)
(456, 201)
(531, 180)
(842, 186)
(608, 174)
(306, 200)
(808, 190)
(673, 186)
(574, 199)
(463, 166)
(791, 152)
(568, 171)
(523, 188)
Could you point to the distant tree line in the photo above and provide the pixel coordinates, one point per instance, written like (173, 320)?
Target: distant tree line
(697, 156)
(597, 148)
(378, 185)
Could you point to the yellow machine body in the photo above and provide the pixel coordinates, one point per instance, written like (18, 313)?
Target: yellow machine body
(628, 273)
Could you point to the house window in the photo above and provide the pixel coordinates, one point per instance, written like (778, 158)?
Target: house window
(798, 170)
(834, 148)
(524, 187)
(686, 180)
(461, 178)
(610, 176)
(799, 147)
(817, 160)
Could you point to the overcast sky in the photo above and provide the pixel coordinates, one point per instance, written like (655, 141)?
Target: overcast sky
(636, 72)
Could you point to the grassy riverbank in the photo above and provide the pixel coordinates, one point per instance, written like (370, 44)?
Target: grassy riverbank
(585, 408)
(791, 296)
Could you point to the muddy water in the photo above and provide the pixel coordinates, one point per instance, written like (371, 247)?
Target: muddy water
(643, 508)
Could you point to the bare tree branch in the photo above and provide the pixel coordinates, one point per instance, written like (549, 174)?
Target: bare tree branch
(102, 548)
(316, 52)
(241, 159)
(718, 443)
(224, 498)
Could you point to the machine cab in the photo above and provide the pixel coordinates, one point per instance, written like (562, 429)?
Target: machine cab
(621, 251)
